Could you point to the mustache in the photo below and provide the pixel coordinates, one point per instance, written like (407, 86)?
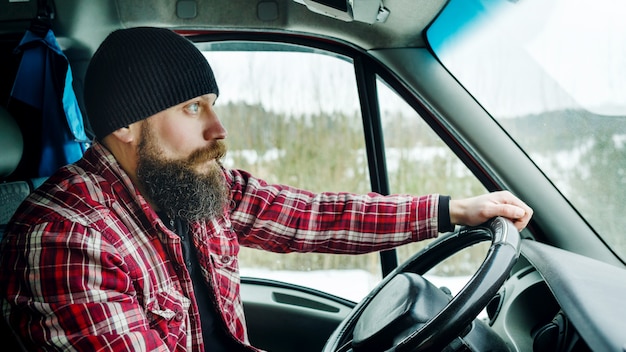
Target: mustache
(217, 150)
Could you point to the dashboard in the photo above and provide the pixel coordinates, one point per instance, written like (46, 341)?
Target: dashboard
(560, 301)
(553, 301)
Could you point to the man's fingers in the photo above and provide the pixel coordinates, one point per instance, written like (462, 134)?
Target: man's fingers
(512, 208)
(508, 211)
(520, 216)
(476, 210)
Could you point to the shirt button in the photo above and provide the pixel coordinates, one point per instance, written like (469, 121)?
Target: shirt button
(179, 315)
(226, 259)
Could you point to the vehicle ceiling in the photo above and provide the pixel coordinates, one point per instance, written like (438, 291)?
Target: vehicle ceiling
(88, 22)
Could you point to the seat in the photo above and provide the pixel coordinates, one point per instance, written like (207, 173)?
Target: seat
(11, 195)
(12, 146)
(34, 148)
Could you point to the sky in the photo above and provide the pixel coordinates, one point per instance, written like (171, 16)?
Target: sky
(300, 79)
(578, 37)
(539, 55)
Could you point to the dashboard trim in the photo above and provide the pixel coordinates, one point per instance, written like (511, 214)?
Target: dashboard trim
(590, 292)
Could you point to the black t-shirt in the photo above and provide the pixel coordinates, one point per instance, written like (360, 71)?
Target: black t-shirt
(214, 332)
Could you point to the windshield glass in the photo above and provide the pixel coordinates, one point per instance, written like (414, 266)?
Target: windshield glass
(552, 73)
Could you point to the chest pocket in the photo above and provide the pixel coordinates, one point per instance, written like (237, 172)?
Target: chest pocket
(168, 314)
(219, 244)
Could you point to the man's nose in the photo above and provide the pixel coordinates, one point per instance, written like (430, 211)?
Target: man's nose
(215, 129)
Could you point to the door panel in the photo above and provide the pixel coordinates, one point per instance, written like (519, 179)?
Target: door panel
(284, 317)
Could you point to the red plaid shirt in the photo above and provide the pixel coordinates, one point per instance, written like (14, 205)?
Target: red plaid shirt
(87, 264)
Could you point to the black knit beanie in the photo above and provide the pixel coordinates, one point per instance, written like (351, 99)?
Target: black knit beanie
(138, 72)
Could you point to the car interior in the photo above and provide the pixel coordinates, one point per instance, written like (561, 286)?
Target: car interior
(558, 285)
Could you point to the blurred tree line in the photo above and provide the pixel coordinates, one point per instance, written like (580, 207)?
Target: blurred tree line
(584, 154)
(326, 152)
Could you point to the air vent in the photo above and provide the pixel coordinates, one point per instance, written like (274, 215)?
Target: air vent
(494, 306)
(303, 302)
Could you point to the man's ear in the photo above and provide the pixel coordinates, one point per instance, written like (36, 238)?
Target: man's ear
(128, 134)
(123, 144)
(123, 135)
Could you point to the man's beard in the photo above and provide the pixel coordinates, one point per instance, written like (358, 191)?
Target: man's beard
(176, 187)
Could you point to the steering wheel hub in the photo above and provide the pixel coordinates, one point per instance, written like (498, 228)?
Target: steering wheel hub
(407, 302)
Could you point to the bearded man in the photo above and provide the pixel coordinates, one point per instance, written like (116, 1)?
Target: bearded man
(134, 247)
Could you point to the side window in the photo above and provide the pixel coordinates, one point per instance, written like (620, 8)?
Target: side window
(293, 117)
(418, 162)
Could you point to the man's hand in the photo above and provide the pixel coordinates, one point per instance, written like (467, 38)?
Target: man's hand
(476, 210)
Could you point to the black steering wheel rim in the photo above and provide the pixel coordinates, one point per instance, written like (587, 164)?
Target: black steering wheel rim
(466, 305)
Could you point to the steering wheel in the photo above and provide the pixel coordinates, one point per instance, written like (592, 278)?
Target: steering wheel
(405, 312)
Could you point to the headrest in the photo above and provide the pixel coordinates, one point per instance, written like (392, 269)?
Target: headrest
(11, 143)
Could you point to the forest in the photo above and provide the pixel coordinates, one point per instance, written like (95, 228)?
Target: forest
(326, 152)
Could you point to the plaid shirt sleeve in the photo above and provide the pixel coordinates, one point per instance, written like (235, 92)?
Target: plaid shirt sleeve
(284, 219)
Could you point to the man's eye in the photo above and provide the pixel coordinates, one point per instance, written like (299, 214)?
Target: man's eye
(193, 108)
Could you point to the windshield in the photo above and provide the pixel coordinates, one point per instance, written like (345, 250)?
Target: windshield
(552, 73)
